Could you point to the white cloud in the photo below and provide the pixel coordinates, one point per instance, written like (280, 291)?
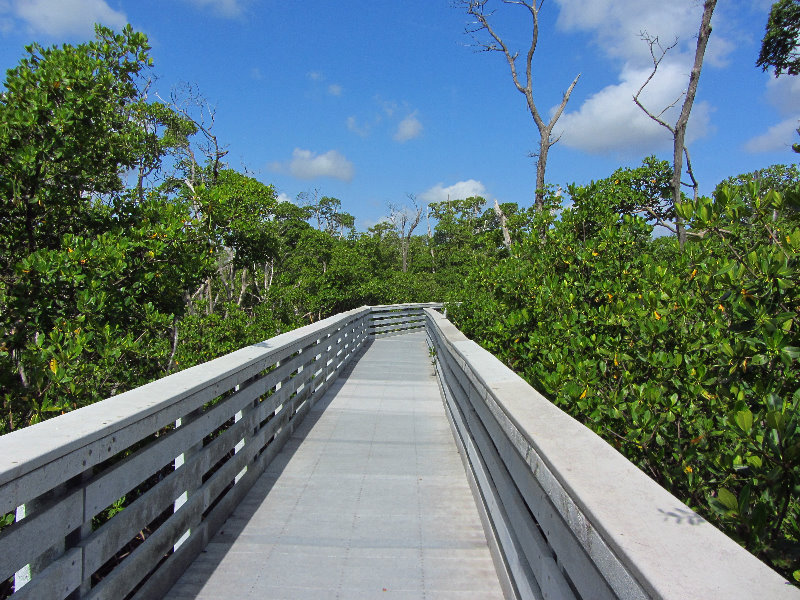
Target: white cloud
(67, 17)
(458, 191)
(778, 137)
(617, 25)
(335, 89)
(783, 93)
(609, 120)
(283, 197)
(409, 128)
(389, 107)
(306, 164)
(224, 8)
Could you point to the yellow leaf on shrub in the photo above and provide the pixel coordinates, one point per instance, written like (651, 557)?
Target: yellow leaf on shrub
(53, 365)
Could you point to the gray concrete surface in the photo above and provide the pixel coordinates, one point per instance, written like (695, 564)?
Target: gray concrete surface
(369, 499)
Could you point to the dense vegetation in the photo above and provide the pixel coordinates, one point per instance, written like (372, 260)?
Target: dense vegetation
(131, 250)
(685, 361)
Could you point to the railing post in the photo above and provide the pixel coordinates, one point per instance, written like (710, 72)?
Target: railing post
(191, 486)
(249, 433)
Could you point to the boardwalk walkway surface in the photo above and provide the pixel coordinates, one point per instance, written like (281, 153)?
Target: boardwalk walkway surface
(368, 499)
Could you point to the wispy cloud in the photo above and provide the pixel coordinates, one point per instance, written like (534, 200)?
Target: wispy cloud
(458, 191)
(334, 89)
(408, 129)
(388, 112)
(778, 137)
(389, 107)
(783, 94)
(306, 164)
(224, 8)
(360, 129)
(64, 17)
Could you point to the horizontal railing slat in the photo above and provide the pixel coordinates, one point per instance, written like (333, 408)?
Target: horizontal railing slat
(25, 540)
(57, 581)
(94, 426)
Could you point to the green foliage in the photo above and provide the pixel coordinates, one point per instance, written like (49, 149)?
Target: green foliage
(67, 133)
(238, 211)
(645, 190)
(779, 46)
(94, 276)
(685, 361)
(776, 177)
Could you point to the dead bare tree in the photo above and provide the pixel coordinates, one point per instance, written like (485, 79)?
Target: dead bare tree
(679, 149)
(430, 238)
(405, 222)
(503, 224)
(477, 9)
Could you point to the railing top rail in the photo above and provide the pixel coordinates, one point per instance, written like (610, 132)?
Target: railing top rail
(419, 305)
(671, 551)
(29, 448)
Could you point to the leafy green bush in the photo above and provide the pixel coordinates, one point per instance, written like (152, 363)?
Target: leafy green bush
(685, 361)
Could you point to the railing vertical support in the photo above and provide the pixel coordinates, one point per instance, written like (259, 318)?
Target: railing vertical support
(191, 486)
(249, 433)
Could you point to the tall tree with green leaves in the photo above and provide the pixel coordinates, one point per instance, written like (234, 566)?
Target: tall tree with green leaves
(779, 45)
(94, 276)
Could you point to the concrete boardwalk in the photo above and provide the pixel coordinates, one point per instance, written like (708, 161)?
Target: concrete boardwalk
(368, 499)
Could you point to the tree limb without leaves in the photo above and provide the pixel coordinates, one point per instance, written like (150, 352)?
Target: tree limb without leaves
(478, 10)
(405, 222)
(678, 130)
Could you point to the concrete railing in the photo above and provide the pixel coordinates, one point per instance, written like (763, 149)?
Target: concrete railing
(178, 453)
(570, 516)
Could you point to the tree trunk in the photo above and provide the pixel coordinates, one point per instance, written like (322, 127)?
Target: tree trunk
(679, 129)
(686, 109)
(476, 8)
(503, 225)
(541, 164)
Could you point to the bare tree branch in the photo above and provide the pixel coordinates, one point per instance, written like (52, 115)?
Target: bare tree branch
(405, 224)
(679, 129)
(653, 42)
(477, 9)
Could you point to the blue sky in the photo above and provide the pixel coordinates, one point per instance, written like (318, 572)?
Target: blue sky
(372, 100)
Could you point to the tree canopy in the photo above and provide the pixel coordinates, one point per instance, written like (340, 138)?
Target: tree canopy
(779, 45)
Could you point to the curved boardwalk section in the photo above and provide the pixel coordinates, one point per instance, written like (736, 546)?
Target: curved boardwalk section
(369, 498)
